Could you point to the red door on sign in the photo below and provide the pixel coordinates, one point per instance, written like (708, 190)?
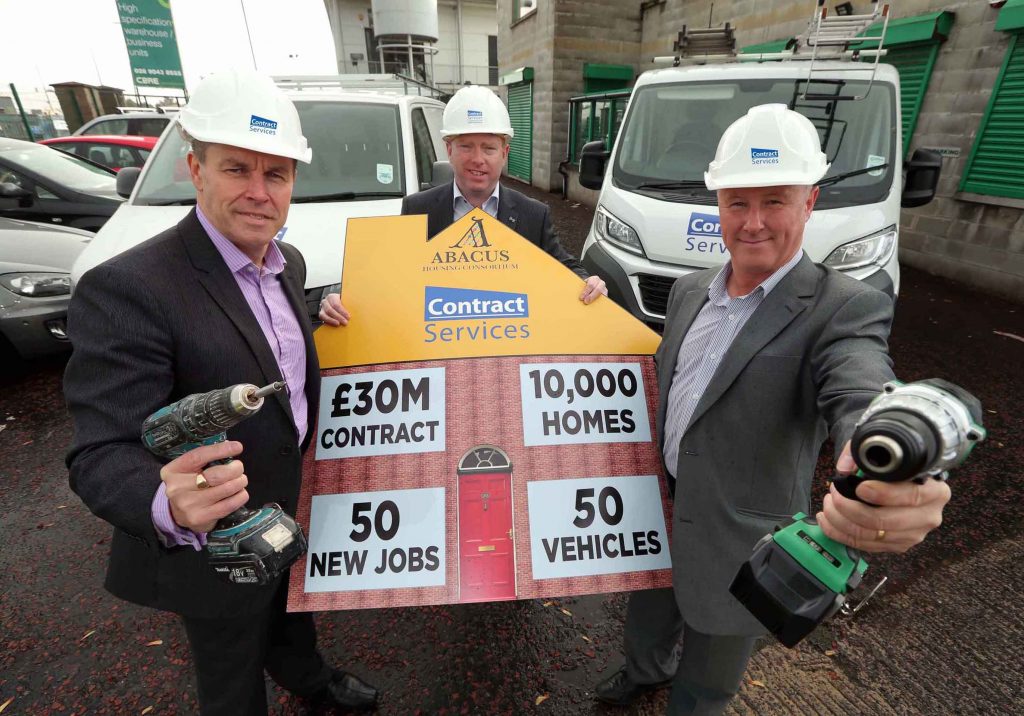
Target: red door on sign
(486, 558)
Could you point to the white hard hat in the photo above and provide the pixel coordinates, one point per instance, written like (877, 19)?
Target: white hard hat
(242, 108)
(475, 110)
(771, 145)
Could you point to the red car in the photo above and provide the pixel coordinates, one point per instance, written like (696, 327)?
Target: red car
(112, 151)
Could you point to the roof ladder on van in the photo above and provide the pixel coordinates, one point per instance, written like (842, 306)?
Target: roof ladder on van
(701, 45)
(820, 107)
(830, 36)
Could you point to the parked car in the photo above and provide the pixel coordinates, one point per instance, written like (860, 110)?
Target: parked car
(138, 124)
(35, 286)
(371, 146)
(39, 183)
(112, 151)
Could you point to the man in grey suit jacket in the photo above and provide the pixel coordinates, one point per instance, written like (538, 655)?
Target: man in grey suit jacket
(476, 131)
(760, 361)
(211, 302)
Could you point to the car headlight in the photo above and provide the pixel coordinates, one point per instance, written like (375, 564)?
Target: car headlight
(37, 285)
(874, 249)
(617, 232)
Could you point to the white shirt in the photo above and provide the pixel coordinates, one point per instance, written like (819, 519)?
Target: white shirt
(461, 205)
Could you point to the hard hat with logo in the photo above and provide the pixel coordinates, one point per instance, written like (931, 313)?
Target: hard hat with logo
(245, 109)
(771, 145)
(475, 110)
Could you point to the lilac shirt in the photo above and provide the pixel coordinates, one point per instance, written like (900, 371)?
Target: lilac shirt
(265, 295)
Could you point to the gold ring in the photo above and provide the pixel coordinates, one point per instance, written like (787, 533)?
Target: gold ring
(880, 536)
(201, 483)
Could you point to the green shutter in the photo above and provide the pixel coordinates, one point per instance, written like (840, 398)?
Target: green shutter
(915, 67)
(996, 164)
(520, 111)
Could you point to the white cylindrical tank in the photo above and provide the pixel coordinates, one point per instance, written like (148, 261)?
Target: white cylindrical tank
(405, 17)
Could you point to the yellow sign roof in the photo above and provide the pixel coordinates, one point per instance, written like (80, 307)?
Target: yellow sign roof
(476, 289)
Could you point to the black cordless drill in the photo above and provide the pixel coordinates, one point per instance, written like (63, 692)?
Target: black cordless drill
(247, 546)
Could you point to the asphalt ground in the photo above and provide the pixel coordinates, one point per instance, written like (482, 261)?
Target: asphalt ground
(944, 637)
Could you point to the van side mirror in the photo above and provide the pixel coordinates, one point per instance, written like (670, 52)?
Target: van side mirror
(593, 160)
(10, 190)
(441, 174)
(126, 179)
(923, 171)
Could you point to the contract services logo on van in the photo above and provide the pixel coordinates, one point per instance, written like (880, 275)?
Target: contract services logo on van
(262, 125)
(459, 304)
(703, 225)
(764, 156)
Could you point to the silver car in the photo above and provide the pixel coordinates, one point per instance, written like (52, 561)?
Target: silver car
(35, 286)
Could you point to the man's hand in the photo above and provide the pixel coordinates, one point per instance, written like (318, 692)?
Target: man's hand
(595, 287)
(198, 509)
(906, 512)
(332, 312)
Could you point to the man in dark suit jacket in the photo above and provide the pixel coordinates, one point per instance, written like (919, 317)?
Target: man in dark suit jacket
(760, 361)
(212, 302)
(477, 131)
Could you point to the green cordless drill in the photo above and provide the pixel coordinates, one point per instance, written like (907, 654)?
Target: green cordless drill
(247, 546)
(798, 577)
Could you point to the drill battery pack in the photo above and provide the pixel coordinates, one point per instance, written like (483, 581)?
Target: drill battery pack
(257, 550)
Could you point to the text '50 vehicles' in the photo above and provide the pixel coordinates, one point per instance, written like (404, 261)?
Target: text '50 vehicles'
(374, 140)
(656, 221)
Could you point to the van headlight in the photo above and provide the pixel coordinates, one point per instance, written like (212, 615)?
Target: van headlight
(37, 285)
(616, 232)
(874, 249)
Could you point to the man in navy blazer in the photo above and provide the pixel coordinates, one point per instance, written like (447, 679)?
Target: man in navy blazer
(477, 130)
(211, 302)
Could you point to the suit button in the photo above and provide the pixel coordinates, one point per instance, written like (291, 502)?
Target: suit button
(287, 450)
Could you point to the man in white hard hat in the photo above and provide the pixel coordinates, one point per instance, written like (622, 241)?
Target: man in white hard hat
(477, 132)
(211, 302)
(761, 360)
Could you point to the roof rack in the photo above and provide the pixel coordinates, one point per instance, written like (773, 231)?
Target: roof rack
(378, 83)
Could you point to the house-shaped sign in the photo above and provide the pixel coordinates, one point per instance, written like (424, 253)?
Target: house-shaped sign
(483, 435)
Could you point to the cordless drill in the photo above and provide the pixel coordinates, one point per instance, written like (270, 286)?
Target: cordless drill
(247, 546)
(797, 577)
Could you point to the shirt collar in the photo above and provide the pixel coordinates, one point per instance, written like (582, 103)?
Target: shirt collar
(493, 198)
(234, 257)
(718, 295)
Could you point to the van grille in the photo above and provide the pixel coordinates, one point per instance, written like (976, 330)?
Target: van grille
(654, 292)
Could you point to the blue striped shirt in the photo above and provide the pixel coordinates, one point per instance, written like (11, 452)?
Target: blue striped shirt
(713, 331)
(461, 205)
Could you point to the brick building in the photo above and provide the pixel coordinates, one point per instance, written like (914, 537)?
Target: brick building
(961, 65)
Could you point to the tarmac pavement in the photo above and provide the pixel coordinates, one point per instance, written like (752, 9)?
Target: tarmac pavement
(944, 638)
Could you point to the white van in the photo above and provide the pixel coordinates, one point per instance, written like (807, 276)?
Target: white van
(370, 148)
(655, 220)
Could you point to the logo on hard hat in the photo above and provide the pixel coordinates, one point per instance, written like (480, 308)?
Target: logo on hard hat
(764, 156)
(474, 116)
(262, 125)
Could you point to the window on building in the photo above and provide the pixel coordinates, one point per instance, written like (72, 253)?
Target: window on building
(522, 8)
(996, 164)
(597, 117)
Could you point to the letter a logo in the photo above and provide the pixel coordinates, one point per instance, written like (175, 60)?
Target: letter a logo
(475, 238)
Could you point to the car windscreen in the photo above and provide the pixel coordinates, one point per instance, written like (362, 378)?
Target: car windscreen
(60, 168)
(672, 130)
(357, 154)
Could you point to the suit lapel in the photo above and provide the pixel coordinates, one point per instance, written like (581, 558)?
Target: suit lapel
(223, 289)
(508, 208)
(439, 216)
(682, 319)
(786, 301)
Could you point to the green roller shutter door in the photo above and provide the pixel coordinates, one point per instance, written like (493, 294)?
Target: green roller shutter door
(520, 110)
(997, 158)
(915, 67)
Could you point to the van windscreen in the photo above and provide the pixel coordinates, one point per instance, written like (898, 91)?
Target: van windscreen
(357, 155)
(672, 130)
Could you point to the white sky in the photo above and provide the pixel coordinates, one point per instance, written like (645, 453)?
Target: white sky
(47, 41)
